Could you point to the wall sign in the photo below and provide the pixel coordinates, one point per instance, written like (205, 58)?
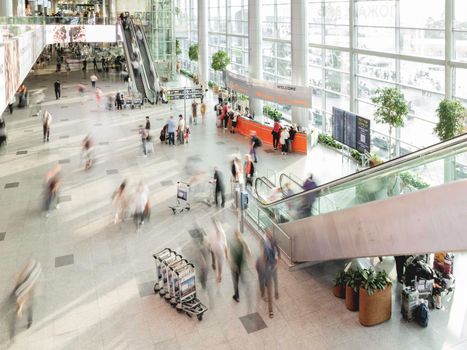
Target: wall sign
(284, 94)
(351, 130)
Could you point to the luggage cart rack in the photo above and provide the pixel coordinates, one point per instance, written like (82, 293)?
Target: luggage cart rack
(182, 203)
(176, 283)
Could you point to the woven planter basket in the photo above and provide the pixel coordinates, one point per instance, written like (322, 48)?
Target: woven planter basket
(339, 291)
(351, 299)
(376, 308)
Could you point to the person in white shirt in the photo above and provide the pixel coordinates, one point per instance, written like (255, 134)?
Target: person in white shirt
(283, 140)
(141, 204)
(139, 35)
(46, 122)
(93, 80)
(181, 128)
(218, 247)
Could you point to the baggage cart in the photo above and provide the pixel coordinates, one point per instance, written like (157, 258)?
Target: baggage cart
(182, 204)
(186, 294)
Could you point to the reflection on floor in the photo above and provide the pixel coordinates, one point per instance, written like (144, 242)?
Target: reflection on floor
(95, 291)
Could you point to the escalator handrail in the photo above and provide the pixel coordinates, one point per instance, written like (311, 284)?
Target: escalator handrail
(151, 63)
(142, 69)
(289, 179)
(129, 66)
(266, 181)
(458, 140)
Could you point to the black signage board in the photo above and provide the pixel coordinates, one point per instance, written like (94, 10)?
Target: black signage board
(363, 135)
(182, 97)
(350, 130)
(338, 116)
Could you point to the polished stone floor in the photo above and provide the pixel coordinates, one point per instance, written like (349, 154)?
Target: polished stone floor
(95, 291)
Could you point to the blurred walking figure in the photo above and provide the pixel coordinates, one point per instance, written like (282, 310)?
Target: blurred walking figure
(272, 255)
(218, 247)
(94, 79)
(306, 207)
(87, 152)
(57, 89)
(119, 100)
(236, 169)
(22, 296)
(180, 129)
(98, 97)
(220, 188)
(142, 206)
(255, 142)
(249, 170)
(52, 180)
(171, 128)
(81, 89)
(202, 109)
(284, 136)
(144, 133)
(110, 102)
(194, 111)
(238, 251)
(3, 132)
(120, 202)
(46, 122)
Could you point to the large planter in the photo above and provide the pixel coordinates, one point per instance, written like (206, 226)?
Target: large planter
(376, 308)
(339, 291)
(351, 299)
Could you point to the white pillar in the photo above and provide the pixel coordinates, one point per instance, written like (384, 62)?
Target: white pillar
(255, 54)
(299, 55)
(203, 67)
(6, 8)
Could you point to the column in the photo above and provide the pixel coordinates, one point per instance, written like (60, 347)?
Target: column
(255, 54)
(203, 67)
(299, 55)
(6, 8)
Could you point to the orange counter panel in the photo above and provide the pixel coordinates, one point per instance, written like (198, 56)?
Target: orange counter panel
(246, 126)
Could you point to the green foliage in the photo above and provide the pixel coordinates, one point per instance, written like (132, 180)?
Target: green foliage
(340, 279)
(451, 116)
(211, 84)
(413, 180)
(357, 156)
(178, 50)
(354, 279)
(391, 107)
(373, 281)
(193, 52)
(187, 73)
(220, 60)
(272, 113)
(242, 97)
(327, 140)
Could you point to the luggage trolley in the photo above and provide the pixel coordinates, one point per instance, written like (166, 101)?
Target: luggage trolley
(173, 285)
(186, 294)
(165, 272)
(170, 276)
(159, 257)
(182, 197)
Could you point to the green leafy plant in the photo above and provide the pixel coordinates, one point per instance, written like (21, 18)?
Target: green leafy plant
(178, 50)
(354, 279)
(272, 113)
(193, 52)
(187, 73)
(451, 115)
(211, 84)
(413, 180)
(373, 281)
(357, 156)
(220, 61)
(327, 140)
(242, 97)
(391, 109)
(340, 279)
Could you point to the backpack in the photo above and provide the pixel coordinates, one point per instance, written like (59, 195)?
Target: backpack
(422, 315)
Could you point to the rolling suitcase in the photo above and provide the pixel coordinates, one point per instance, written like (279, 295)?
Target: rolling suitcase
(409, 303)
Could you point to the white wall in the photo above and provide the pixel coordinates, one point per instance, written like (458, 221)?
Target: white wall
(131, 6)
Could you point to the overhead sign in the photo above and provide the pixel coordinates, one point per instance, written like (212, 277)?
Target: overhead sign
(59, 33)
(184, 93)
(284, 94)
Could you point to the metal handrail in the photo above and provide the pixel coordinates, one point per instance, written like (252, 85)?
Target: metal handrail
(289, 177)
(377, 169)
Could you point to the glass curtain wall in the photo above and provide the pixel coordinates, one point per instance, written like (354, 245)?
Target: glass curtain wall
(187, 30)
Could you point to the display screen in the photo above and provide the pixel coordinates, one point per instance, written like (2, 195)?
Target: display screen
(338, 124)
(350, 130)
(57, 34)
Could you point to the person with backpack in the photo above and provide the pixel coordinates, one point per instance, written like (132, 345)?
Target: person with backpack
(255, 142)
(237, 256)
(272, 255)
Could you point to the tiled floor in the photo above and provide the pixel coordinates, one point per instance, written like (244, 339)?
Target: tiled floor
(95, 291)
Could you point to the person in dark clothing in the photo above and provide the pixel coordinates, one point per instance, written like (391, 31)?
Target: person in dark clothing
(305, 209)
(238, 250)
(57, 88)
(148, 124)
(119, 100)
(255, 142)
(249, 170)
(220, 189)
(85, 65)
(94, 62)
(103, 63)
(400, 266)
(292, 132)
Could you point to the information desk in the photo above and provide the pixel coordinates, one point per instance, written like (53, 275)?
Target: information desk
(245, 126)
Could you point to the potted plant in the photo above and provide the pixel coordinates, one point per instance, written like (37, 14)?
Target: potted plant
(220, 61)
(374, 297)
(352, 289)
(391, 109)
(193, 52)
(375, 160)
(339, 284)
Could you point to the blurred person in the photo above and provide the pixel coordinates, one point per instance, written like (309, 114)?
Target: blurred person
(249, 170)
(46, 122)
(181, 128)
(148, 124)
(3, 132)
(110, 102)
(67, 68)
(306, 207)
(94, 62)
(52, 190)
(202, 109)
(284, 136)
(81, 89)
(225, 115)
(255, 142)
(220, 97)
(186, 134)
(236, 169)
(87, 152)
(120, 202)
(11, 103)
(85, 65)
(194, 111)
(272, 256)
(234, 122)
(144, 133)
(57, 89)
(141, 205)
(139, 35)
(94, 79)
(171, 128)
(119, 100)
(292, 132)
(23, 295)
(237, 256)
(276, 133)
(218, 247)
(260, 266)
(98, 97)
(136, 66)
(219, 187)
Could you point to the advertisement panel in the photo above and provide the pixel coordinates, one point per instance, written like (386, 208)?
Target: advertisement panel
(363, 135)
(26, 51)
(284, 94)
(3, 101)
(60, 34)
(11, 59)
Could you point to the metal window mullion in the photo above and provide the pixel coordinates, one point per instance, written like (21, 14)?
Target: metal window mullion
(323, 61)
(352, 58)
(449, 47)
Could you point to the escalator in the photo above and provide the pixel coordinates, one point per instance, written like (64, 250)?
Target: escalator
(129, 55)
(413, 204)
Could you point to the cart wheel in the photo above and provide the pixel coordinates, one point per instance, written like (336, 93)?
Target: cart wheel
(200, 317)
(156, 289)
